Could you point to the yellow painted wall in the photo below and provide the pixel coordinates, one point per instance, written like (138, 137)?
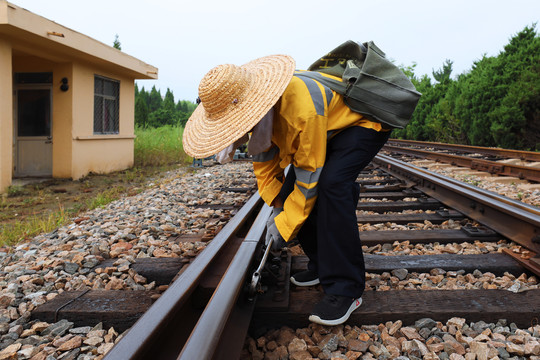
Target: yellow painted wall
(94, 152)
(6, 116)
(63, 112)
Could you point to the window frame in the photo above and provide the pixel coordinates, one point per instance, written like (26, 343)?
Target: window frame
(104, 120)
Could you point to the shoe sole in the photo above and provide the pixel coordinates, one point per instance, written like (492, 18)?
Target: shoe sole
(355, 305)
(305, 283)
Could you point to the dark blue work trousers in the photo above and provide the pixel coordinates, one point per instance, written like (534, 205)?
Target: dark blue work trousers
(330, 236)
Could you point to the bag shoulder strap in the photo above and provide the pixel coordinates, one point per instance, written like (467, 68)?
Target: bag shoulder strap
(336, 85)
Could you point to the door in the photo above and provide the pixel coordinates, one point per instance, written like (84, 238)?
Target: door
(33, 140)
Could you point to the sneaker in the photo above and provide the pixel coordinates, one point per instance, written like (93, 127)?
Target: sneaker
(334, 309)
(305, 278)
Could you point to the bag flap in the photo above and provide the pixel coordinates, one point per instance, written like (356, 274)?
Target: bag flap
(334, 62)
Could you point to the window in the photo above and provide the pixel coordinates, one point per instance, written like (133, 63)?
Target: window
(106, 105)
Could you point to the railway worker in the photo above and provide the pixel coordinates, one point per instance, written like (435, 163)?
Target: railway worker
(295, 121)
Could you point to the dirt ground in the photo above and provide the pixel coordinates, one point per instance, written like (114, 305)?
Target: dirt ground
(45, 196)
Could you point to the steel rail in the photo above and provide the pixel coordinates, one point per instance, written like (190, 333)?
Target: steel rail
(517, 221)
(493, 167)
(205, 337)
(458, 183)
(152, 332)
(515, 154)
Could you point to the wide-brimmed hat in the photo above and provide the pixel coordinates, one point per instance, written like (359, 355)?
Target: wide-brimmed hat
(233, 100)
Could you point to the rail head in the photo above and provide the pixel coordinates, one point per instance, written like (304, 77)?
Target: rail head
(204, 338)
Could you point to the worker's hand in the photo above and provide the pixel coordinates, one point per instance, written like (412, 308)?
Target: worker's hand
(273, 235)
(272, 232)
(275, 212)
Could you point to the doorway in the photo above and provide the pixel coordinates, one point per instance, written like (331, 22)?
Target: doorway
(33, 125)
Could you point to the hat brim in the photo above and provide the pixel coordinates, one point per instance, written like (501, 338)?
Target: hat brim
(203, 138)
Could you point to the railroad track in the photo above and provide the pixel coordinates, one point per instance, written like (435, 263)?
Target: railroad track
(216, 301)
(522, 165)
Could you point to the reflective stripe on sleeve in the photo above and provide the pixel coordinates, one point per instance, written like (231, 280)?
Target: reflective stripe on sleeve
(307, 181)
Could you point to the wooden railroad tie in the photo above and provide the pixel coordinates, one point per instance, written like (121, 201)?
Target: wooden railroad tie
(120, 309)
(412, 305)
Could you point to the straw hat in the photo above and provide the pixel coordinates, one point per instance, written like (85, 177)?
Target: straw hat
(233, 100)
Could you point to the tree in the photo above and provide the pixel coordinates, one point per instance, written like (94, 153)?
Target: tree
(500, 98)
(162, 117)
(153, 111)
(417, 126)
(116, 43)
(443, 74)
(155, 99)
(168, 101)
(516, 120)
(185, 109)
(143, 94)
(141, 112)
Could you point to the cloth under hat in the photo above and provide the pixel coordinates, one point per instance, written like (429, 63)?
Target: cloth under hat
(227, 155)
(259, 139)
(233, 100)
(261, 136)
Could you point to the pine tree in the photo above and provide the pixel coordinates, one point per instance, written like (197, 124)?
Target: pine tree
(141, 112)
(116, 43)
(499, 102)
(154, 99)
(168, 102)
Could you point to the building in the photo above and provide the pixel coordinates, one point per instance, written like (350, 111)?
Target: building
(66, 100)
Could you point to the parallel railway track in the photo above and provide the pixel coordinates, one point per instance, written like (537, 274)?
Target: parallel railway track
(498, 153)
(526, 165)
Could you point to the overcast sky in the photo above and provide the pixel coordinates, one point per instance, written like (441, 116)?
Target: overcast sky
(185, 39)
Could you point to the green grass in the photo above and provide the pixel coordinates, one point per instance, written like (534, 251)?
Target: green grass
(13, 233)
(105, 197)
(159, 146)
(15, 190)
(31, 226)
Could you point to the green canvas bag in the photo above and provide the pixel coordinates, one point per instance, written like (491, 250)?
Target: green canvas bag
(371, 85)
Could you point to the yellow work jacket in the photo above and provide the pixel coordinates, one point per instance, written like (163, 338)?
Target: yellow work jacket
(305, 117)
